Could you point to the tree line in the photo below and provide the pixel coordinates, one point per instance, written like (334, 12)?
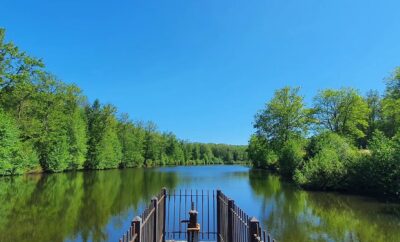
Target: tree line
(48, 125)
(345, 141)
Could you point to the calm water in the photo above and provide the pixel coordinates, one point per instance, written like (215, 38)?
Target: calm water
(98, 205)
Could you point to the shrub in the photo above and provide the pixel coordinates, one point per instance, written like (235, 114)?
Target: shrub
(379, 173)
(291, 156)
(327, 168)
(261, 155)
(324, 171)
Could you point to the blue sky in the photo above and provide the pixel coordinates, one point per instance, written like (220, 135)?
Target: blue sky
(202, 68)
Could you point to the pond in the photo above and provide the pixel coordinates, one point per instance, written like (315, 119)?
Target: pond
(99, 205)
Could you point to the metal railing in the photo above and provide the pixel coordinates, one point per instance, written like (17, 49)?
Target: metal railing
(234, 225)
(150, 226)
(179, 203)
(212, 217)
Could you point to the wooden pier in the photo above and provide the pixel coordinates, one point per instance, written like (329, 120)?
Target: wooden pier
(194, 216)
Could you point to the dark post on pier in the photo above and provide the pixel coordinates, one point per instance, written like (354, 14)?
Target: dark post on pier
(193, 228)
(194, 216)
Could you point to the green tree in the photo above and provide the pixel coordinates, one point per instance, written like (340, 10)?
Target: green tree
(131, 138)
(327, 168)
(373, 101)
(380, 172)
(95, 130)
(173, 150)
(196, 152)
(50, 135)
(18, 73)
(260, 154)
(76, 128)
(110, 151)
(151, 144)
(206, 153)
(291, 157)
(342, 111)
(15, 156)
(105, 150)
(284, 117)
(391, 104)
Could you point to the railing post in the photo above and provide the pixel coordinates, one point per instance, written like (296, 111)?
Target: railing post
(231, 207)
(136, 224)
(164, 192)
(254, 230)
(193, 229)
(154, 201)
(218, 216)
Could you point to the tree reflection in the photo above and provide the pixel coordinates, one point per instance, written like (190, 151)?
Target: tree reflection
(291, 214)
(71, 205)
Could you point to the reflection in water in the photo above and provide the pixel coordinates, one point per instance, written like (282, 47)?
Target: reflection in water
(75, 206)
(296, 215)
(98, 205)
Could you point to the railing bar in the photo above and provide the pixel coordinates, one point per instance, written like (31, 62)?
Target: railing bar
(243, 227)
(208, 213)
(169, 204)
(202, 213)
(185, 214)
(173, 222)
(180, 198)
(214, 225)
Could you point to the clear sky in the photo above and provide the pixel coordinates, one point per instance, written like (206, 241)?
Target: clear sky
(202, 68)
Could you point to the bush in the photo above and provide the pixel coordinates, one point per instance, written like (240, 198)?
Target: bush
(379, 172)
(291, 156)
(324, 171)
(327, 167)
(261, 155)
(343, 146)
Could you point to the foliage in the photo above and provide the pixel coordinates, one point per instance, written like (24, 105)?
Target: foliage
(331, 156)
(343, 120)
(284, 117)
(16, 157)
(342, 111)
(379, 172)
(260, 154)
(132, 140)
(291, 156)
(391, 105)
(373, 101)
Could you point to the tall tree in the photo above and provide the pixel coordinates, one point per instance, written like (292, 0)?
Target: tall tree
(104, 146)
(283, 118)
(76, 128)
(151, 144)
(110, 151)
(16, 157)
(391, 104)
(342, 111)
(51, 139)
(260, 154)
(131, 138)
(206, 154)
(95, 130)
(373, 101)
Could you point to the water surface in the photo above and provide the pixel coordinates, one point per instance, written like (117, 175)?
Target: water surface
(98, 205)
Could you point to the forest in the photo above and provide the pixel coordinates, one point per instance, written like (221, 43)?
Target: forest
(344, 141)
(47, 125)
